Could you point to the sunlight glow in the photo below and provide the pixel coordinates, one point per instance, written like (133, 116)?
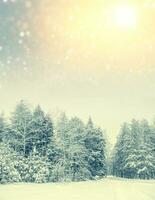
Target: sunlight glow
(125, 16)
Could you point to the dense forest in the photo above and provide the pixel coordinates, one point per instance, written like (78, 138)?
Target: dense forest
(134, 152)
(35, 149)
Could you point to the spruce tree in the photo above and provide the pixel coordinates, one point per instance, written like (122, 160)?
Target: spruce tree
(20, 129)
(133, 156)
(41, 131)
(95, 145)
(2, 128)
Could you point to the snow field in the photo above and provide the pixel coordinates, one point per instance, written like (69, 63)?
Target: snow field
(105, 189)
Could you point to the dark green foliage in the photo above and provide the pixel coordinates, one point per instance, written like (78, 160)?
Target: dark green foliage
(35, 152)
(8, 172)
(133, 153)
(41, 131)
(95, 145)
(2, 128)
(20, 129)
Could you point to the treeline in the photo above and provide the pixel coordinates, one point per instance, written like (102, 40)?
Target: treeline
(134, 152)
(34, 149)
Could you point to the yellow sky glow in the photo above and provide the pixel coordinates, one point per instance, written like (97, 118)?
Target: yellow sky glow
(125, 16)
(91, 57)
(104, 33)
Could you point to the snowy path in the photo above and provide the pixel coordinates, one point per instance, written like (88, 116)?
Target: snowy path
(106, 189)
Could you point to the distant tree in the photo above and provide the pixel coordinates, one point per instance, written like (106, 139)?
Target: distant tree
(77, 151)
(58, 151)
(31, 150)
(123, 148)
(56, 163)
(41, 131)
(96, 148)
(20, 129)
(151, 139)
(8, 172)
(145, 163)
(135, 133)
(33, 169)
(72, 164)
(133, 157)
(145, 132)
(2, 128)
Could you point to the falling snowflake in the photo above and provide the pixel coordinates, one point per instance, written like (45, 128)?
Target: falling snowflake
(22, 34)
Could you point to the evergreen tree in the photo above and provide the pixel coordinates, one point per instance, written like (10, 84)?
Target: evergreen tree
(133, 156)
(72, 164)
(95, 145)
(77, 151)
(145, 163)
(151, 139)
(8, 172)
(2, 128)
(136, 133)
(58, 152)
(41, 131)
(124, 147)
(62, 130)
(20, 129)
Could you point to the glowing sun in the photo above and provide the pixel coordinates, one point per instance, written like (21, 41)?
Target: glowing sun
(125, 16)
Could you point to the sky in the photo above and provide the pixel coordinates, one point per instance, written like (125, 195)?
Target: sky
(88, 58)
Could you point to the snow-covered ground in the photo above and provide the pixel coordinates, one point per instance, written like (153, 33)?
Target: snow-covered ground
(106, 189)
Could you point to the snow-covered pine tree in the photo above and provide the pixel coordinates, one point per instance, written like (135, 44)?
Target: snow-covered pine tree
(78, 165)
(34, 169)
(20, 129)
(96, 150)
(41, 134)
(56, 162)
(2, 128)
(38, 169)
(145, 161)
(125, 150)
(8, 172)
(62, 127)
(151, 138)
(135, 133)
(72, 164)
(133, 157)
(58, 150)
